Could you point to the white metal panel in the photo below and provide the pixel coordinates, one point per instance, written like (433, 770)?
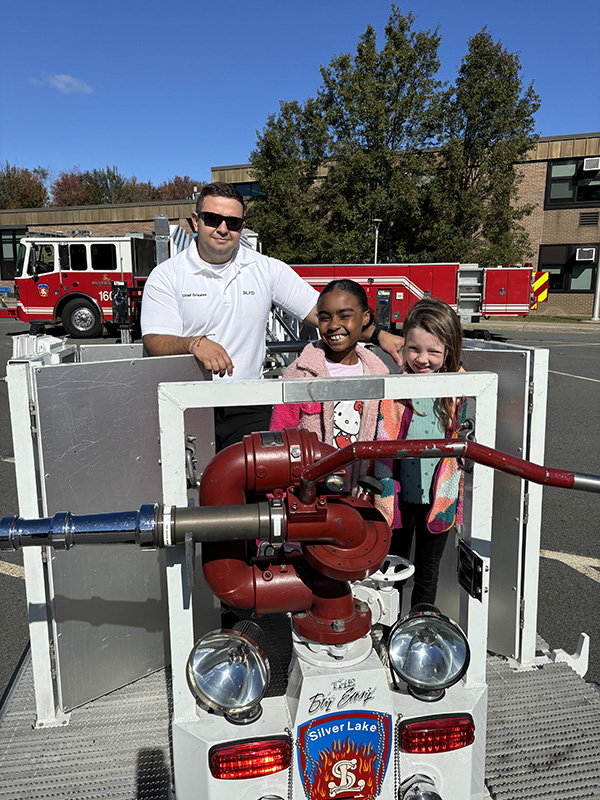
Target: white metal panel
(532, 544)
(176, 398)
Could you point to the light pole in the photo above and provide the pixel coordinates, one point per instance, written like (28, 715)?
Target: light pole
(377, 224)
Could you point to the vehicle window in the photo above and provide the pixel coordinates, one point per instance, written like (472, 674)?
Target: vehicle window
(104, 257)
(20, 260)
(44, 259)
(63, 256)
(78, 257)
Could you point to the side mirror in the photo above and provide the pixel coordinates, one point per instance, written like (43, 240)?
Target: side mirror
(33, 271)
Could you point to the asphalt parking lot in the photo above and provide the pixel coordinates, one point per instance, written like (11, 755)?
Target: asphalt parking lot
(569, 564)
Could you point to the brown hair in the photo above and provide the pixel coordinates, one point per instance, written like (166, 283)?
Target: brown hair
(441, 321)
(219, 189)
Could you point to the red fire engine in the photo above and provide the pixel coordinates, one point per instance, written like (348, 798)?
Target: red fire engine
(86, 282)
(473, 291)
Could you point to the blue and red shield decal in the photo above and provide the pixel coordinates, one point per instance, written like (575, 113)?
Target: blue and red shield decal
(344, 755)
(43, 289)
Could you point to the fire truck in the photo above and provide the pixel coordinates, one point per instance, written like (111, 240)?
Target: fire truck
(87, 282)
(471, 290)
(136, 537)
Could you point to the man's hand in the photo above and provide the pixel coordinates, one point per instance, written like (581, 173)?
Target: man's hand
(212, 356)
(392, 344)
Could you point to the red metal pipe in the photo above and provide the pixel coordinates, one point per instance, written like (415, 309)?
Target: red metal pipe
(252, 466)
(442, 448)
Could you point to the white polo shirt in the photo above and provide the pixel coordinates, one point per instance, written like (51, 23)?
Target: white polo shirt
(185, 296)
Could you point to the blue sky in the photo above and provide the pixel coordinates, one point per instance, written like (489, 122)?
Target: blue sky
(161, 89)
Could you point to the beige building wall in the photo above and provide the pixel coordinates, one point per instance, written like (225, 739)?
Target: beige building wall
(100, 220)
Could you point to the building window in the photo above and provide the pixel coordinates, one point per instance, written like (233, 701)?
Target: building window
(248, 190)
(569, 185)
(9, 245)
(568, 272)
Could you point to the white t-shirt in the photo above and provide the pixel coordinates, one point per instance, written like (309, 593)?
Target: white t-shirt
(185, 296)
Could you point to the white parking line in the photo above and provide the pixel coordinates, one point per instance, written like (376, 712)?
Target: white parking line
(12, 570)
(590, 567)
(568, 375)
(545, 345)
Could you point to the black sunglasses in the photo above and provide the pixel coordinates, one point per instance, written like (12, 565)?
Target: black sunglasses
(215, 220)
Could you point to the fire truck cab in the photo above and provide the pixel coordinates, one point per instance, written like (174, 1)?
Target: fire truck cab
(70, 280)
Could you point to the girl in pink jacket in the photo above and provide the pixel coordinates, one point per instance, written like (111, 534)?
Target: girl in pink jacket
(344, 313)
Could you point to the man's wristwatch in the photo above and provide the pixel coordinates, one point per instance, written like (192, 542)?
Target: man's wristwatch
(374, 339)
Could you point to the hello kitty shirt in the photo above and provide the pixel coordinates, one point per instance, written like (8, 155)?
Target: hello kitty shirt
(321, 417)
(347, 414)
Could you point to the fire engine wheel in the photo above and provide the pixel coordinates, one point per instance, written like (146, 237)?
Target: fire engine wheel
(81, 319)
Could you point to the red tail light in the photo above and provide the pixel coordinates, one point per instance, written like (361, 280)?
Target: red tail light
(250, 759)
(438, 735)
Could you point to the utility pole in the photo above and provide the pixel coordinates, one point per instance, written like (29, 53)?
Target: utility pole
(377, 224)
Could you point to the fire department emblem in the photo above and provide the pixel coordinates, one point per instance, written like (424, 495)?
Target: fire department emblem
(43, 289)
(344, 756)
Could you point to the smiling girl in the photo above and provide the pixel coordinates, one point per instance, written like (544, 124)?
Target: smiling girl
(343, 313)
(422, 498)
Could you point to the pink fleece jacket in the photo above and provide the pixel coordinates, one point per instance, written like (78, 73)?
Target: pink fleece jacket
(318, 417)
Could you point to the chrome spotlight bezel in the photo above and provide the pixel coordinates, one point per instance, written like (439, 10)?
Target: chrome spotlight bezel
(237, 639)
(429, 689)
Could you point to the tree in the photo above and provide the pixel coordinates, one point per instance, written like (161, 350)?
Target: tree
(384, 139)
(69, 189)
(21, 187)
(287, 162)
(489, 128)
(106, 185)
(135, 191)
(178, 188)
(355, 153)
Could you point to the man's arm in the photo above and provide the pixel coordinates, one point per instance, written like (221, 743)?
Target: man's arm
(388, 342)
(211, 355)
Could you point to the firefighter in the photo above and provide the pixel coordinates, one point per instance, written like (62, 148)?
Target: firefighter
(213, 300)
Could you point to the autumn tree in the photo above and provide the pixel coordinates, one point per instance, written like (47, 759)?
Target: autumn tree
(69, 189)
(178, 188)
(474, 213)
(97, 186)
(21, 187)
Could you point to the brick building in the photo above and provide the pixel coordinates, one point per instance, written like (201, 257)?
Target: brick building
(561, 179)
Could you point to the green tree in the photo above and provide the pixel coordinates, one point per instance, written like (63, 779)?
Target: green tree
(288, 161)
(474, 213)
(382, 114)
(21, 187)
(355, 153)
(106, 185)
(135, 191)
